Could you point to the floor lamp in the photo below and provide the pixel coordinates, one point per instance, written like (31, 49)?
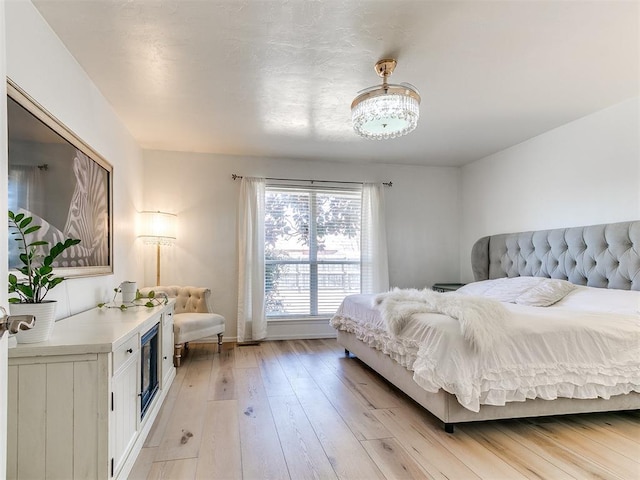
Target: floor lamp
(158, 228)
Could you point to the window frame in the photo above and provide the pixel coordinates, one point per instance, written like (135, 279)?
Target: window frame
(312, 260)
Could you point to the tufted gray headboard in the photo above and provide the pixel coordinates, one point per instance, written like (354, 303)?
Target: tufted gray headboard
(606, 256)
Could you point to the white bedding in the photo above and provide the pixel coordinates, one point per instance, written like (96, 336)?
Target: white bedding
(587, 345)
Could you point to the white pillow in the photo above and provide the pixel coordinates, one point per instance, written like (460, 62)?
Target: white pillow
(545, 293)
(532, 291)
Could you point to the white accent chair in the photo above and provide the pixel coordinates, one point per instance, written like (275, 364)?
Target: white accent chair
(193, 317)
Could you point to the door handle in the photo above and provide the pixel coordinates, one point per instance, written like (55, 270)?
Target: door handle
(15, 323)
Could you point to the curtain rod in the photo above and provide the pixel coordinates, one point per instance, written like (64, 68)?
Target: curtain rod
(236, 177)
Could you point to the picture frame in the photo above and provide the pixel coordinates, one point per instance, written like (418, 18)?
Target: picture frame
(63, 183)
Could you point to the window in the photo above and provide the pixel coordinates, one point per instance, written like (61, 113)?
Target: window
(312, 249)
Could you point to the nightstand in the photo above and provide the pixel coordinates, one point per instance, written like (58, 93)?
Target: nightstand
(446, 287)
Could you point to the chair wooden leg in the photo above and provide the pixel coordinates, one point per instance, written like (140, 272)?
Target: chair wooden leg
(219, 343)
(177, 354)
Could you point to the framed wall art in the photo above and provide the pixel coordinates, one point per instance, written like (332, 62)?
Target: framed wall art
(62, 183)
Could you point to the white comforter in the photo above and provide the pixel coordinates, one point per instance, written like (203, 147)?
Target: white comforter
(578, 348)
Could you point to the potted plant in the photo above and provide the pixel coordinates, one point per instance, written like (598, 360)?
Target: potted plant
(37, 278)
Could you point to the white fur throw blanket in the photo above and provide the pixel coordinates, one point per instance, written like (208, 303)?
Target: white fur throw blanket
(482, 320)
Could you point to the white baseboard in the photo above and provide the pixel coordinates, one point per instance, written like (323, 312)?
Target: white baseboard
(300, 329)
(300, 336)
(297, 329)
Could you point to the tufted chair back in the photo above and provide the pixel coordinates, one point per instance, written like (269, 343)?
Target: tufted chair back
(188, 299)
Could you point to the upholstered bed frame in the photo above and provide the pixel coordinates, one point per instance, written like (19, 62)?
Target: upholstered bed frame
(606, 256)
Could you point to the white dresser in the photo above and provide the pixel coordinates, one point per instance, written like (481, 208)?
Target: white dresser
(74, 401)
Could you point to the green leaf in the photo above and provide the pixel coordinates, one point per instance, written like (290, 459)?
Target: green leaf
(31, 229)
(55, 281)
(25, 290)
(100, 305)
(37, 243)
(45, 269)
(14, 300)
(149, 304)
(24, 223)
(18, 217)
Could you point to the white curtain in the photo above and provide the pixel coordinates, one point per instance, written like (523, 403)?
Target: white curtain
(252, 324)
(375, 265)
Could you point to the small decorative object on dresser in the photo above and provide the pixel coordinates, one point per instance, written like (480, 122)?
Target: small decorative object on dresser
(446, 287)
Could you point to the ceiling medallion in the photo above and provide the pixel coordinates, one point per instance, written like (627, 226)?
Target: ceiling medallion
(387, 110)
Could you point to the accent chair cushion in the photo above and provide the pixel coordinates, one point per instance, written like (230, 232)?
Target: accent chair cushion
(188, 327)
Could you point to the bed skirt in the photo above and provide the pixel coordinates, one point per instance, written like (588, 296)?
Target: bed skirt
(445, 406)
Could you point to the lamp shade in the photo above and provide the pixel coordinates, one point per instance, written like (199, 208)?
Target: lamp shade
(158, 228)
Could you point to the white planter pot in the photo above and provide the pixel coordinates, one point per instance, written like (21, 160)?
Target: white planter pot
(45, 314)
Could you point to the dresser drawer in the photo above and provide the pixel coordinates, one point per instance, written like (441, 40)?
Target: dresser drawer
(125, 351)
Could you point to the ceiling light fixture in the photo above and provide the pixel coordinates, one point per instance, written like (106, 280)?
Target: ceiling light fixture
(387, 110)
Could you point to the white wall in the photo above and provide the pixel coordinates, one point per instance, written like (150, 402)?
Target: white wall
(40, 64)
(422, 217)
(3, 241)
(583, 173)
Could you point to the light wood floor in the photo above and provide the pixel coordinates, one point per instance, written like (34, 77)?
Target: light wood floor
(301, 410)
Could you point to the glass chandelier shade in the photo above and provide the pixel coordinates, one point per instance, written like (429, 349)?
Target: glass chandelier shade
(387, 110)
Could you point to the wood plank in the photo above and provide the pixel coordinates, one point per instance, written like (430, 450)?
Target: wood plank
(393, 460)
(245, 357)
(626, 426)
(585, 446)
(373, 390)
(604, 436)
(347, 456)
(518, 456)
(220, 450)
(143, 464)
(318, 347)
(300, 347)
(222, 382)
(332, 346)
(184, 469)
(85, 421)
(473, 454)
(60, 432)
(430, 454)
(354, 412)
(282, 347)
(32, 409)
(273, 377)
(182, 434)
(560, 454)
(302, 450)
(12, 422)
(289, 361)
(262, 457)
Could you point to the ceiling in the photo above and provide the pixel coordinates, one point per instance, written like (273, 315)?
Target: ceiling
(275, 78)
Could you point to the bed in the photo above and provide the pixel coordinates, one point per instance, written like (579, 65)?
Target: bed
(601, 266)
